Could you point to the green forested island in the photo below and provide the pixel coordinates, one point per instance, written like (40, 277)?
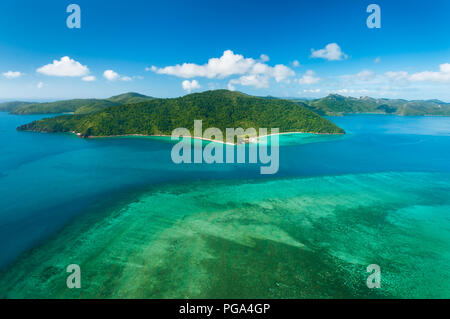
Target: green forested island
(221, 109)
(335, 104)
(77, 106)
(11, 106)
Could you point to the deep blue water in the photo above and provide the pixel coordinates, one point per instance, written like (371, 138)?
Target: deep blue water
(48, 179)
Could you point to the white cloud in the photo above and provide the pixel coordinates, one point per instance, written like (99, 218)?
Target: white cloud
(89, 78)
(189, 86)
(255, 80)
(311, 91)
(12, 74)
(365, 75)
(441, 76)
(309, 78)
(280, 72)
(227, 65)
(397, 76)
(64, 67)
(295, 63)
(152, 68)
(332, 52)
(363, 78)
(111, 75)
(40, 85)
(264, 58)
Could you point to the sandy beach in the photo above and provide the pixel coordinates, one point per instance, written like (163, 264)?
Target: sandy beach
(250, 140)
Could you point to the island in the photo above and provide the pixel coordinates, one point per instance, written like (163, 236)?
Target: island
(335, 104)
(220, 109)
(76, 106)
(331, 105)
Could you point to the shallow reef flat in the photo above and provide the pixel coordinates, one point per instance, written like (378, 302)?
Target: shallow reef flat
(286, 238)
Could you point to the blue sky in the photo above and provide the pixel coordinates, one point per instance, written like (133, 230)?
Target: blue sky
(256, 45)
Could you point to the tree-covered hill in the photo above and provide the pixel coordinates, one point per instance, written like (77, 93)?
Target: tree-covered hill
(77, 106)
(10, 106)
(129, 98)
(335, 104)
(221, 109)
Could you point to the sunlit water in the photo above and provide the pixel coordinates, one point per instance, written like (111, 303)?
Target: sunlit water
(141, 226)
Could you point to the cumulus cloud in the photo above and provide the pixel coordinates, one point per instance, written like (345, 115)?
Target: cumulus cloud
(229, 64)
(441, 76)
(111, 75)
(89, 78)
(295, 63)
(255, 80)
(280, 72)
(12, 74)
(40, 85)
(189, 86)
(66, 67)
(332, 52)
(309, 78)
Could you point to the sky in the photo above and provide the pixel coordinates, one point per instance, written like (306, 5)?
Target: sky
(170, 48)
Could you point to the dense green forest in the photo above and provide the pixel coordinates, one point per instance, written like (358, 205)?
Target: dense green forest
(335, 104)
(11, 106)
(221, 109)
(77, 106)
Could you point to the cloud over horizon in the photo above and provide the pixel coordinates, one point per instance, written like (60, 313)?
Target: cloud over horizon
(112, 75)
(65, 67)
(253, 72)
(12, 74)
(189, 86)
(309, 78)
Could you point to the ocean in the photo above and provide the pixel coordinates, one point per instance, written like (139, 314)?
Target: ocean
(141, 226)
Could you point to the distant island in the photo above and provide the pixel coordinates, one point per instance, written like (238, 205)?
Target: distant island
(76, 106)
(335, 104)
(220, 109)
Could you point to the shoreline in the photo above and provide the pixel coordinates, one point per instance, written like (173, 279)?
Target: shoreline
(246, 141)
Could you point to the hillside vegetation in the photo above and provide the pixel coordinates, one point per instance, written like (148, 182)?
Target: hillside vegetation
(221, 109)
(335, 104)
(77, 106)
(10, 106)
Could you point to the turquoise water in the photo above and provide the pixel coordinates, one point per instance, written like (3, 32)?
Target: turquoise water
(141, 226)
